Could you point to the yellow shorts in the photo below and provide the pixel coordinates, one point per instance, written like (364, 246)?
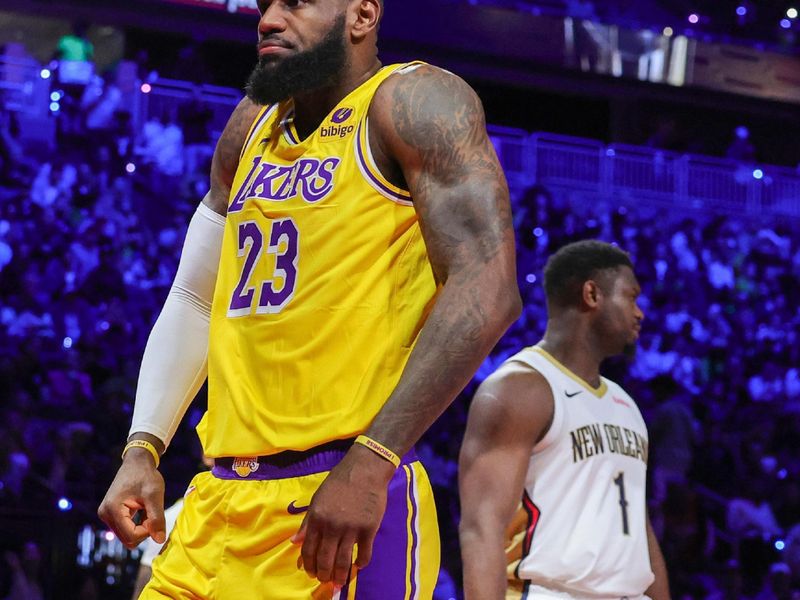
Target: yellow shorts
(231, 541)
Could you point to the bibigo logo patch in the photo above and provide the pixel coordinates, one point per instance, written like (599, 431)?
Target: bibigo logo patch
(338, 128)
(244, 466)
(341, 115)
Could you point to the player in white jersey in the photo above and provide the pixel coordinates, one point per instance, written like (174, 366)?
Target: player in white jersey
(548, 428)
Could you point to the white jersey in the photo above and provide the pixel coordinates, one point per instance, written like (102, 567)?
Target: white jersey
(584, 495)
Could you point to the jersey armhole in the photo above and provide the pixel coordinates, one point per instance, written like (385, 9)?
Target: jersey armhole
(557, 422)
(371, 173)
(262, 116)
(366, 160)
(555, 426)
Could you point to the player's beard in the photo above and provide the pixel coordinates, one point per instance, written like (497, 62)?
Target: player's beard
(629, 351)
(276, 79)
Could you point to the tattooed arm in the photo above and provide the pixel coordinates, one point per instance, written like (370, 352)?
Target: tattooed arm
(427, 129)
(436, 134)
(226, 155)
(174, 362)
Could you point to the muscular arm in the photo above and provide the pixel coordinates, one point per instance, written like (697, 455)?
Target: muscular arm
(430, 125)
(174, 362)
(511, 411)
(226, 155)
(659, 589)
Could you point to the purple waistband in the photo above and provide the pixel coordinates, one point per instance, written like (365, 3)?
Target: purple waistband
(290, 463)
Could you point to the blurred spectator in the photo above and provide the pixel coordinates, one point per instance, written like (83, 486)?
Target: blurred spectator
(728, 584)
(16, 167)
(14, 469)
(25, 583)
(101, 100)
(741, 148)
(687, 536)
(195, 120)
(162, 145)
(672, 438)
(778, 585)
(792, 554)
(751, 519)
(75, 46)
(75, 54)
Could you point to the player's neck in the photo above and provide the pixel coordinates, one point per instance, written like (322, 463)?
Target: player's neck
(311, 108)
(573, 349)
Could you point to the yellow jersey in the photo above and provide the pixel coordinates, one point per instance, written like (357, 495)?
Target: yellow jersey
(324, 284)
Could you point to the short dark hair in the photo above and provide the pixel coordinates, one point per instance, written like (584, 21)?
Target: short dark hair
(573, 265)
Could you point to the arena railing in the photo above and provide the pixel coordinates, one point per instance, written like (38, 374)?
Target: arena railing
(22, 86)
(165, 97)
(512, 150)
(650, 174)
(617, 172)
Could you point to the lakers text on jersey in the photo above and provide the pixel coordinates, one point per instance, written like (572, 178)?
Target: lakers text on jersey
(324, 284)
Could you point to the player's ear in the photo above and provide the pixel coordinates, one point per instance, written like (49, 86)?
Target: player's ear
(591, 293)
(365, 16)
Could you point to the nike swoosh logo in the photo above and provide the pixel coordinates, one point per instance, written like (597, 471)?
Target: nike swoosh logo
(296, 510)
(573, 394)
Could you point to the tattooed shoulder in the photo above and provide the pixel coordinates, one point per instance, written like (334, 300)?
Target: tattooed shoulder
(441, 117)
(233, 136)
(229, 147)
(431, 97)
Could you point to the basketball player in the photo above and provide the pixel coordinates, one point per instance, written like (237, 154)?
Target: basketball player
(547, 428)
(365, 270)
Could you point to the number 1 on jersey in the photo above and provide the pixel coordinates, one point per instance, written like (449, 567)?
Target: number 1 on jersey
(623, 503)
(251, 246)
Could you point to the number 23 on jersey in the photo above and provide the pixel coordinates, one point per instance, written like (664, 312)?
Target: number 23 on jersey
(271, 295)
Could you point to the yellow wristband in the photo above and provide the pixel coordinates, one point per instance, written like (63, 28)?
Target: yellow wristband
(143, 444)
(379, 449)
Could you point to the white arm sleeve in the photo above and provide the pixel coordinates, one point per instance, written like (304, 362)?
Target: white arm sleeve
(175, 362)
